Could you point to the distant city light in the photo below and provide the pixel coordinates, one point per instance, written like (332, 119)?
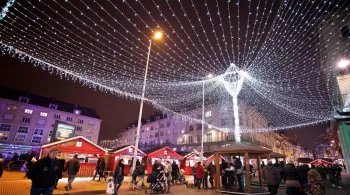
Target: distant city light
(343, 63)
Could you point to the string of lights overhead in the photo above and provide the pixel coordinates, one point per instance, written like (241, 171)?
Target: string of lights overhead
(270, 56)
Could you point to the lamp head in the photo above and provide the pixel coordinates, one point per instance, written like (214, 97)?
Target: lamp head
(158, 35)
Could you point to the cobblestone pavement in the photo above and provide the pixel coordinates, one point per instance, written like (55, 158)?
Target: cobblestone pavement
(12, 183)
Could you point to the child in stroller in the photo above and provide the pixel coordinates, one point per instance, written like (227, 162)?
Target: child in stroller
(181, 176)
(156, 181)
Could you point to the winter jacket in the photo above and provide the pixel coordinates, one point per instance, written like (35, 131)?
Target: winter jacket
(102, 166)
(175, 168)
(61, 168)
(168, 171)
(119, 173)
(199, 172)
(211, 169)
(73, 166)
(271, 175)
(303, 170)
(142, 169)
(98, 164)
(291, 173)
(44, 172)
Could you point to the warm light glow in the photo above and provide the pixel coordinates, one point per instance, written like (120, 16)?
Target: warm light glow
(209, 76)
(343, 63)
(158, 35)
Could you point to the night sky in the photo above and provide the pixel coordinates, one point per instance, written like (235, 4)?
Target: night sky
(115, 112)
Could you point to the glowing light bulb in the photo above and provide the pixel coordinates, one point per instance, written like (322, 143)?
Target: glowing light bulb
(343, 63)
(158, 35)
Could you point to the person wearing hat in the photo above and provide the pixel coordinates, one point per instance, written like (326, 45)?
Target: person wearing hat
(44, 173)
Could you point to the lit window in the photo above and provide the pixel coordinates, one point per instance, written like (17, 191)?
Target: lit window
(44, 114)
(24, 99)
(208, 114)
(20, 138)
(25, 119)
(5, 127)
(28, 111)
(11, 108)
(4, 136)
(77, 111)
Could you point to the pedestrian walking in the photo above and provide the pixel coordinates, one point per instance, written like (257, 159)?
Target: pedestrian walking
(72, 167)
(14, 159)
(322, 170)
(336, 171)
(61, 161)
(292, 178)
(205, 177)
(97, 168)
(199, 174)
(142, 171)
(262, 165)
(194, 172)
(303, 171)
(272, 177)
(239, 173)
(30, 161)
(175, 170)
(168, 176)
(118, 176)
(1, 165)
(316, 186)
(223, 167)
(102, 169)
(211, 172)
(44, 173)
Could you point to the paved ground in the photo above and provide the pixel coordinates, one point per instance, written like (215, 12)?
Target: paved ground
(12, 183)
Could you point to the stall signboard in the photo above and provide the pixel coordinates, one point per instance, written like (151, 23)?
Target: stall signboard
(63, 131)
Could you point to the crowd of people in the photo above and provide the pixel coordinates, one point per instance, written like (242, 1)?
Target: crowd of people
(300, 179)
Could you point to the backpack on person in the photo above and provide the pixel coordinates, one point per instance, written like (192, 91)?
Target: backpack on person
(110, 187)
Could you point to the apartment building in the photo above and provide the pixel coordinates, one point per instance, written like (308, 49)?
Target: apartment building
(28, 120)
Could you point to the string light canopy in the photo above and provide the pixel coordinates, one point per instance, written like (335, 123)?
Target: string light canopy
(270, 55)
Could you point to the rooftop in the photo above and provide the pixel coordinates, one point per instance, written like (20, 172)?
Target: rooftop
(13, 94)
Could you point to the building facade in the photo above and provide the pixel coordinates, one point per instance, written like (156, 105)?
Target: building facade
(185, 135)
(29, 119)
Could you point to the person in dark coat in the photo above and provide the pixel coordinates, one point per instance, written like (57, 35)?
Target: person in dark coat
(118, 175)
(1, 165)
(211, 171)
(14, 159)
(102, 169)
(272, 177)
(61, 162)
(44, 173)
(97, 168)
(175, 170)
(30, 161)
(223, 167)
(303, 170)
(292, 178)
(238, 166)
(142, 170)
(72, 167)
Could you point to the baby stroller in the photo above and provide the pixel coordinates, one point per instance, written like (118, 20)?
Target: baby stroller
(157, 182)
(181, 176)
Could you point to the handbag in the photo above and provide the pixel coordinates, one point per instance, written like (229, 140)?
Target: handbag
(292, 183)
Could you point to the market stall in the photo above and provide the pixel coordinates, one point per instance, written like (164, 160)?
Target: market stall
(190, 160)
(126, 153)
(210, 159)
(320, 162)
(162, 154)
(84, 148)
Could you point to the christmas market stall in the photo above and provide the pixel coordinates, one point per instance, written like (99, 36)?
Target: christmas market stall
(162, 154)
(84, 148)
(210, 158)
(320, 162)
(190, 160)
(126, 153)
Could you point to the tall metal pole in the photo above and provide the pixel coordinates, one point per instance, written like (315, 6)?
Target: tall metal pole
(202, 145)
(141, 109)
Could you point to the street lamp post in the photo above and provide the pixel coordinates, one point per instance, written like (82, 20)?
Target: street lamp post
(202, 140)
(157, 35)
